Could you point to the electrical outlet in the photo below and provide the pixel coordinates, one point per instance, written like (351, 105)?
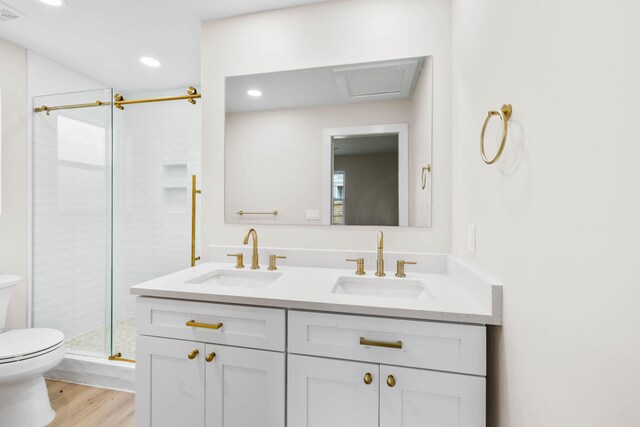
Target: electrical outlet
(313, 214)
(471, 238)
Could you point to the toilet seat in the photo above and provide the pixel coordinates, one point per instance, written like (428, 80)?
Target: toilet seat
(23, 344)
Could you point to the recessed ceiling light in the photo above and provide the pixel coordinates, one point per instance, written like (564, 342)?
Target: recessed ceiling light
(53, 2)
(149, 61)
(254, 92)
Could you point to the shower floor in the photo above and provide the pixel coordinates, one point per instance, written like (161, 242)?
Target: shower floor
(93, 341)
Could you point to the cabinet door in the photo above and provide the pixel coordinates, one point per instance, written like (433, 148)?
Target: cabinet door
(169, 385)
(426, 398)
(331, 393)
(244, 387)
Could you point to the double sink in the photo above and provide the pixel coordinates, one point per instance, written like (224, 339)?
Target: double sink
(346, 285)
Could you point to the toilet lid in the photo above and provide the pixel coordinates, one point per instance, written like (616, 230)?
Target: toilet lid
(23, 342)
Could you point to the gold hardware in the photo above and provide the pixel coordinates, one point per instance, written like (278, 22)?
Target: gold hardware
(380, 262)
(359, 266)
(254, 254)
(400, 267)
(46, 109)
(188, 97)
(239, 259)
(368, 378)
(391, 381)
(209, 357)
(119, 358)
(272, 261)
(119, 101)
(195, 324)
(193, 354)
(385, 344)
(505, 115)
(241, 212)
(191, 90)
(425, 170)
(194, 191)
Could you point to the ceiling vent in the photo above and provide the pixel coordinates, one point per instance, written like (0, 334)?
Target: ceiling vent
(378, 81)
(8, 13)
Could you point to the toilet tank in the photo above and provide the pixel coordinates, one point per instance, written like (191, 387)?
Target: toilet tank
(7, 283)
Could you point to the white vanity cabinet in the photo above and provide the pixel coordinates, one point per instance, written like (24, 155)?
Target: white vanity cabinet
(198, 376)
(390, 377)
(231, 369)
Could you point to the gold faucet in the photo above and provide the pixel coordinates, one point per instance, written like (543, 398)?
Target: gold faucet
(380, 263)
(254, 255)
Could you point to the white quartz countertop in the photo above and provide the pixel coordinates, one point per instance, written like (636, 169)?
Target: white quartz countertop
(464, 300)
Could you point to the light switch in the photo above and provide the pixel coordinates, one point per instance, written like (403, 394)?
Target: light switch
(471, 239)
(313, 214)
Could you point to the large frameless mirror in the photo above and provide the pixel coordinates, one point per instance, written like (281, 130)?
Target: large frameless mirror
(340, 145)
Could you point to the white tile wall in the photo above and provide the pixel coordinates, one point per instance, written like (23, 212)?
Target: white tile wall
(157, 151)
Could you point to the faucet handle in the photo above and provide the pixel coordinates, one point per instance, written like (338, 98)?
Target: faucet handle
(272, 261)
(400, 267)
(239, 259)
(359, 266)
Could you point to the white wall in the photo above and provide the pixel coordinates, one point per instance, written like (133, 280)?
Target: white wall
(319, 35)
(557, 218)
(13, 219)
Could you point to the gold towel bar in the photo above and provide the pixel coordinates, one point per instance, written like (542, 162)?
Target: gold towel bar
(241, 212)
(505, 115)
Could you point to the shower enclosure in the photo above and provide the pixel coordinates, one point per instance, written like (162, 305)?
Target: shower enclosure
(112, 207)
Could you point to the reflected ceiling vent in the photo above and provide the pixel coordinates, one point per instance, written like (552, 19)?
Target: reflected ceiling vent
(8, 13)
(379, 80)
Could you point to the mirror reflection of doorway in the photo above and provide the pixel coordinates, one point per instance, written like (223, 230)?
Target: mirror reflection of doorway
(365, 180)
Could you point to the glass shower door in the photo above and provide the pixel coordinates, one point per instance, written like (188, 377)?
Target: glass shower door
(72, 159)
(156, 152)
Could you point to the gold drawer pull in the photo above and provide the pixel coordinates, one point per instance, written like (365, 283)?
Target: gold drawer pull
(193, 354)
(210, 357)
(391, 381)
(385, 344)
(195, 324)
(368, 378)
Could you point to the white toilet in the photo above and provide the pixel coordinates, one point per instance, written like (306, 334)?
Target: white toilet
(25, 355)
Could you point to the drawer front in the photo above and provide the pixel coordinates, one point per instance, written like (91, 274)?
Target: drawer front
(415, 343)
(242, 326)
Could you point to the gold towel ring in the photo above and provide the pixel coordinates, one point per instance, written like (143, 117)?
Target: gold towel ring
(505, 115)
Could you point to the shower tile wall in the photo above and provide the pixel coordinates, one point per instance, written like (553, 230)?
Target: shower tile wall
(72, 283)
(71, 212)
(157, 151)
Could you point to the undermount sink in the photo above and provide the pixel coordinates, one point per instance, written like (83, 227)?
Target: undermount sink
(379, 287)
(237, 278)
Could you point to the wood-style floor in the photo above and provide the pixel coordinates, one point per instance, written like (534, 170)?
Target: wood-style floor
(79, 405)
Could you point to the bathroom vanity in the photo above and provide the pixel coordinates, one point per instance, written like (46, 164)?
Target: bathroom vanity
(301, 346)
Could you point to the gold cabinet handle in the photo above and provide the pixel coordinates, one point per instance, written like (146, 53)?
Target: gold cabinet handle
(209, 357)
(193, 354)
(385, 344)
(368, 378)
(391, 381)
(195, 324)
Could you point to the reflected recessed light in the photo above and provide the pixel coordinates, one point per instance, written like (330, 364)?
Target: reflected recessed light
(149, 61)
(53, 2)
(254, 92)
